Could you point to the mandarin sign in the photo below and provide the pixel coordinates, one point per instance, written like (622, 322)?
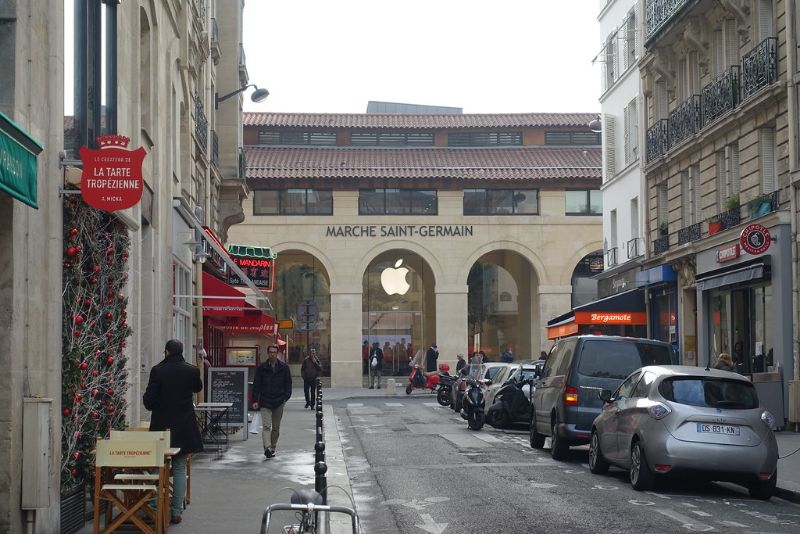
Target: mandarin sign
(112, 176)
(400, 230)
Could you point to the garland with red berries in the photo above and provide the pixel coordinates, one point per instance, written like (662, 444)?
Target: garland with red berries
(94, 331)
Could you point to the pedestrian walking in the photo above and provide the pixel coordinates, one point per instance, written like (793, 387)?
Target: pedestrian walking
(431, 356)
(507, 356)
(310, 370)
(272, 387)
(168, 396)
(375, 365)
(461, 363)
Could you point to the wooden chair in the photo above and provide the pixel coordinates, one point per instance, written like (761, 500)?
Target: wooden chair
(130, 495)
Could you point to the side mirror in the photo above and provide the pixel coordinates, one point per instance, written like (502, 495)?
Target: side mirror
(605, 396)
(538, 369)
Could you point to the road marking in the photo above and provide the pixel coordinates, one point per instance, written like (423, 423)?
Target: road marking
(488, 438)
(430, 525)
(685, 521)
(688, 505)
(701, 513)
(354, 404)
(434, 404)
(654, 494)
(733, 524)
(641, 503)
(602, 487)
(395, 404)
(542, 485)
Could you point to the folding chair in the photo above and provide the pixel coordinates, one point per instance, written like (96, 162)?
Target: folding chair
(130, 495)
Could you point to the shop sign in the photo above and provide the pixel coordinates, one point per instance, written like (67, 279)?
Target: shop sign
(215, 259)
(251, 323)
(112, 176)
(563, 330)
(632, 318)
(18, 153)
(755, 239)
(256, 262)
(400, 230)
(731, 252)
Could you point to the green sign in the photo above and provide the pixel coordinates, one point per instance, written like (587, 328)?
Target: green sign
(18, 153)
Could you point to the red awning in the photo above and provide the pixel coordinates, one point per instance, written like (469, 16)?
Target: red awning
(222, 307)
(253, 323)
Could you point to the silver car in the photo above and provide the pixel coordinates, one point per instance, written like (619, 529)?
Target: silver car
(676, 420)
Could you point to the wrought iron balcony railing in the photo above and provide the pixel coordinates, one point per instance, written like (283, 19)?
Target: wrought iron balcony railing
(657, 140)
(658, 13)
(214, 148)
(690, 233)
(661, 245)
(730, 218)
(763, 204)
(685, 120)
(200, 123)
(611, 256)
(759, 67)
(635, 248)
(721, 95)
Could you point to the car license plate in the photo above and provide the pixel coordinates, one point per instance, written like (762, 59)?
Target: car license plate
(708, 428)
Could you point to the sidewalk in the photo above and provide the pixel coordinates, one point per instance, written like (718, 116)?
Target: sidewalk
(788, 468)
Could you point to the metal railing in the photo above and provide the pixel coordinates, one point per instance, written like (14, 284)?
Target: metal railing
(214, 148)
(730, 218)
(657, 140)
(200, 123)
(635, 248)
(661, 245)
(685, 120)
(721, 95)
(690, 233)
(611, 256)
(658, 13)
(763, 204)
(759, 67)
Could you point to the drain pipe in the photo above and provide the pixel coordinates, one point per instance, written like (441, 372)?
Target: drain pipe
(791, 92)
(30, 519)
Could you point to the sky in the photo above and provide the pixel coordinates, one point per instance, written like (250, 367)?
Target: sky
(498, 56)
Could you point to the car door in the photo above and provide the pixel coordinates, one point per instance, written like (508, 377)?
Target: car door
(610, 439)
(549, 390)
(632, 410)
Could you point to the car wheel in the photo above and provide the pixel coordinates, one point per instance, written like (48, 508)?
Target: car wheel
(559, 448)
(763, 489)
(597, 464)
(641, 476)
(537, 440)
(408, 390)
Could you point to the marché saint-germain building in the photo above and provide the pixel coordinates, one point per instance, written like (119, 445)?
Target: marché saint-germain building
(405, 229)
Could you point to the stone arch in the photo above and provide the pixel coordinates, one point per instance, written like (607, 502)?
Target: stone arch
(425, 253)
(536, 263)
(308, 249)
(566, 274)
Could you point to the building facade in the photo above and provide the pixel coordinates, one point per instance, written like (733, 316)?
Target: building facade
(466, 230)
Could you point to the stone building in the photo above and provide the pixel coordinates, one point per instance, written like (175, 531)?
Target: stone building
(466, 230)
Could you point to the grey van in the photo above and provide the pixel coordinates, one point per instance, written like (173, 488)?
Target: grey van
(566, 400)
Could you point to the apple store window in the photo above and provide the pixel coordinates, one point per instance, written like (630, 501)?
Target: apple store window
(397, 202)
(293, 202)
(501, 202)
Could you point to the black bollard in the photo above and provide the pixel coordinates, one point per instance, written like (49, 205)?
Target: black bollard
(319, 451)
(320, 480)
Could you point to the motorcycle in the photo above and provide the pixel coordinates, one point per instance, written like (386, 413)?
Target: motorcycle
(512, 404)
(474, 403)
(418, 379)
(446, 382)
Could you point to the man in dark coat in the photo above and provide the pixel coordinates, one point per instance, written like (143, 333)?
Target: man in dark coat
(272, 387)
(431, 356)
(169, 397)
(310, 370)
(376, 357)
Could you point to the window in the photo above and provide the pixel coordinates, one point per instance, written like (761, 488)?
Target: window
(727, 173)
(397, 202)
(689, 187)
(293, 202)
(583, 202)
(391, 139)
(182, 305)
(631, 51)
(571, 138)
(643, 387)
(611, 65)
(484, 138)
(634, 218)
(501, 202)
(703, 391)
(625, 389)
(280, 137)
(662, 205)
(631, 132)
(769, 164)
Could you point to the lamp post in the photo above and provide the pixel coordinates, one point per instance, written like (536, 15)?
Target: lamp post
(596, 125)
(259, 95)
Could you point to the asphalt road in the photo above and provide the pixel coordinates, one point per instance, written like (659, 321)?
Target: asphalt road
(415, 467)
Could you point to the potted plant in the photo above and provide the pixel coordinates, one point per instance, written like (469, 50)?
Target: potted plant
(759, 206)
(714, 224)
(663, 229)
(732, 202)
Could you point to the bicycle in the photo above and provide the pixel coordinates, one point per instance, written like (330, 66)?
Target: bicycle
(307, 504)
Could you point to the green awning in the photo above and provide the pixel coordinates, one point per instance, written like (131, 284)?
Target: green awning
(18, 152)
(251, 252)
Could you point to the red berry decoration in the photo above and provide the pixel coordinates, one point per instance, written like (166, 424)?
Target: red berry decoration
(93, 281)
(76, 332)
(84, 366)
(109, 315)
(110, 391)
(76, 456)
(96, 269)
(111, 408)
(73, 472)
(67, 411)
(73, 231)
(95, 373)
(110, 360)
(110, 294)
(78, 319)
(78, 249)
(78, 398)
(94, 392)
(71, 251)
(95, 415)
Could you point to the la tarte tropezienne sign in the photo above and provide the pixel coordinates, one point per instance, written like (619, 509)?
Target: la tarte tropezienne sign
(112, 175)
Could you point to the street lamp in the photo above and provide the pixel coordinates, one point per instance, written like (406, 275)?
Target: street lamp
(259, 95)
(596, 126)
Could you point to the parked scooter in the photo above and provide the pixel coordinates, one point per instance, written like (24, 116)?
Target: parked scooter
(446, 381)
(512, 404)
(474, 403)
(418, 379)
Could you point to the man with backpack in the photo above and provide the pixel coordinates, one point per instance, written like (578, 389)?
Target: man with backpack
(375, 365)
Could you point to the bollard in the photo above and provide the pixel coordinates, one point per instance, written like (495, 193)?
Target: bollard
(320, 481)
(319, 451)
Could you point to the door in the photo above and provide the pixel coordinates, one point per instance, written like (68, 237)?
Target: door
(398, 333)
(550, 386)
(612, 439)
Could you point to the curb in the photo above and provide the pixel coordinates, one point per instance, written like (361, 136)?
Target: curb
(788, 495)
(337, 475)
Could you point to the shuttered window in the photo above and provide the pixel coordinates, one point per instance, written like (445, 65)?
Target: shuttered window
(631, 45)
(631, 132)
(731, 43)
(662, 204)
(609, 147)
(766, 149)
(278, 137)
(719, 51)
(484, 138)
(765, 20)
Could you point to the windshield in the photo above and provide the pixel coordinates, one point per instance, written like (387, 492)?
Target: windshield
(617, 359)
(712, 392)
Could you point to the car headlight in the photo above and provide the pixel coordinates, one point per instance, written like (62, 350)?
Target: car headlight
(768, 419)
(658, 411)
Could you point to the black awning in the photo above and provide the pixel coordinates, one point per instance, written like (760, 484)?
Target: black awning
(737, 276)
(627, 301)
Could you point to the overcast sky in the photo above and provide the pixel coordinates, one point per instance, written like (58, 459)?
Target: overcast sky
(483, 56)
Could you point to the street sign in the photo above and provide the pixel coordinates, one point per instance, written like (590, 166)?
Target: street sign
(308, 315)
(285, 324)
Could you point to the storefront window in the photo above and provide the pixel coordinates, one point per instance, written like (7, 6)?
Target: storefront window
(665, 325)
(182, 305)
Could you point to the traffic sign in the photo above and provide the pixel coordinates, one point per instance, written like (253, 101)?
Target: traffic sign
(308, 315)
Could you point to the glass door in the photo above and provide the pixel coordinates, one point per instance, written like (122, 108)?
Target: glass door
(398, 333)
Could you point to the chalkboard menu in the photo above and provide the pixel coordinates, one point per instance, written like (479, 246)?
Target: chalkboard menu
(229, 384)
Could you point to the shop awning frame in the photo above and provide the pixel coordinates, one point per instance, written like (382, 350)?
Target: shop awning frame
(626, 308)
(755, 271)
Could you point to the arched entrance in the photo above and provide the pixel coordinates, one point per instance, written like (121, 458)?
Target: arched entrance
(299, 278)
(584, 285)
(502, 306)
(398, 308)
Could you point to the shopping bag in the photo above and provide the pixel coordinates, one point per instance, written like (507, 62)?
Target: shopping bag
(255, 424)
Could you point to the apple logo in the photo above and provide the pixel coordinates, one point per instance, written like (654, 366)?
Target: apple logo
(393, 280)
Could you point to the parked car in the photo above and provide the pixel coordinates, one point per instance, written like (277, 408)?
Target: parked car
(566, 402)
(678, 420)
(483, 371)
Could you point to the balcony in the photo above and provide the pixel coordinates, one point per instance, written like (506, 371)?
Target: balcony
(635, 248)
(200, 124)
(611, 256)
(721, 95)
(658, 13)
(763, 204)
(214, 148)
(685, 120)
(657, 140)
(759, 67)
(689, 234)
(661, 245)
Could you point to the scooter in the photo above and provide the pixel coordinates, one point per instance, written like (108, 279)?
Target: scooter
(446, 382)
(512, 404)
(474, 403)
(418, 380)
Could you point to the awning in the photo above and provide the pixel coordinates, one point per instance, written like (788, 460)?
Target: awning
(253, 322)
(18, 151)
(215, 302)
(625, 308)
(736, 276)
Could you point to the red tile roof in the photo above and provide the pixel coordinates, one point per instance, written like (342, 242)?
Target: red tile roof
(420, 121)
(556, 165)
